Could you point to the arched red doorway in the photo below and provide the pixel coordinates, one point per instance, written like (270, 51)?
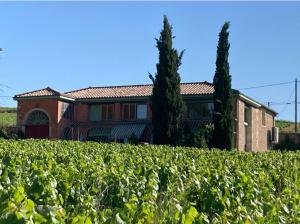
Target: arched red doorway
(37, 125)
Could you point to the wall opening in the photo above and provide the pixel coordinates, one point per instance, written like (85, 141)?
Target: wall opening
(37, 125)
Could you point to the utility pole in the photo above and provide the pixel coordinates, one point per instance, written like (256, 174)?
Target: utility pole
(296, 105)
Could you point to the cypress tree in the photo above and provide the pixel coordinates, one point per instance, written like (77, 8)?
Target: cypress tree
(167, 104)
(223, 116)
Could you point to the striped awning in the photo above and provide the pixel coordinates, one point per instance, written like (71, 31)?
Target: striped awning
(123, 131)
(99, 132)
(195, 124)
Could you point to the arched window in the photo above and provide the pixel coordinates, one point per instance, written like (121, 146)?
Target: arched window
(37, 117)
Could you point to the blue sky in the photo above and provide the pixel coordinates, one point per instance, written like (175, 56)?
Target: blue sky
(70, 45)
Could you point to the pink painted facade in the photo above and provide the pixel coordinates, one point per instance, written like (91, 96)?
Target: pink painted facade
(70, 118)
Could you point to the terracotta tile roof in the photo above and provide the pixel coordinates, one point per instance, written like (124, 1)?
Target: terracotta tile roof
(41, 92)
(194, 88)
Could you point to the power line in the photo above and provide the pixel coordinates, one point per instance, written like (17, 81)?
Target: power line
(6, 86)
(278, 103)
(262, 86)
(285, 106)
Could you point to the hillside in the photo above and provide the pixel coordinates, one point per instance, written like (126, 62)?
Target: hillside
(287, 126)
(8, 116)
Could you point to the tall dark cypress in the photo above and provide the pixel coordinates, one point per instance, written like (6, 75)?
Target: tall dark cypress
(167, 104)
(223, 115)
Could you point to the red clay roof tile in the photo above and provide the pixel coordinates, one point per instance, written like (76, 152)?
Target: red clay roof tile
(194, 88)
(41, 92)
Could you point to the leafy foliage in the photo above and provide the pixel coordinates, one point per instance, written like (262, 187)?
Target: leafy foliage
(9, 132)
(8, 119)
(167, 104)
(133, 139)
(75, 182)
(223, 115)
(200, 137)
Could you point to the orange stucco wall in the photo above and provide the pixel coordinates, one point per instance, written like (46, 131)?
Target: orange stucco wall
(58, 123)
(50, 106)
(258, 133)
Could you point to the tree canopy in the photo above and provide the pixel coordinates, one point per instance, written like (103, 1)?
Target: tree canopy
(167, 104)
(223, 116)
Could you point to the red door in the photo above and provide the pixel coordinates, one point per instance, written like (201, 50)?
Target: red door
(37, 131)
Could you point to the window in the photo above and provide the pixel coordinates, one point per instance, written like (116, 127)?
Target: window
(199, 110)
(107, 112)
(95, 113)
(128, 111)
(263, 117)
(37, 118)
(67, 110)
(247, 115)
(102, 112)
(142, 111)
(235, 124)
(247, 130)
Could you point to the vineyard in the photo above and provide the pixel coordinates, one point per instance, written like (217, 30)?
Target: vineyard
(7, 119)
(73, 182)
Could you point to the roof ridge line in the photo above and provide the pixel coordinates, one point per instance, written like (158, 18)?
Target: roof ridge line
(121, 86)
(55, 91)
(76, 90)
(47, 88)
(134, 85)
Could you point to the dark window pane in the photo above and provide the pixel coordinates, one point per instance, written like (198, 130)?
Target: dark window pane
(132, 111)
(104, 111)
(198, 110)
(126, 111)
(95, 113)
(247, 114)
(263, 117)
(129, 112)
(110, 111)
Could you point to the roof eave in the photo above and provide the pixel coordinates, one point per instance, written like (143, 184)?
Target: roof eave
(193, 96)
(106, 99)
(132, 98)
(17, 98)
(253, 102)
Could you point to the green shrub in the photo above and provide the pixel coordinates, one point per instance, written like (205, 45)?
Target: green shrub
(3, 135)
(200, 137)
(133, 139)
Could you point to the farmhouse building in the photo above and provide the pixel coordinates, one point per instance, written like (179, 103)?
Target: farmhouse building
(114, 113)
